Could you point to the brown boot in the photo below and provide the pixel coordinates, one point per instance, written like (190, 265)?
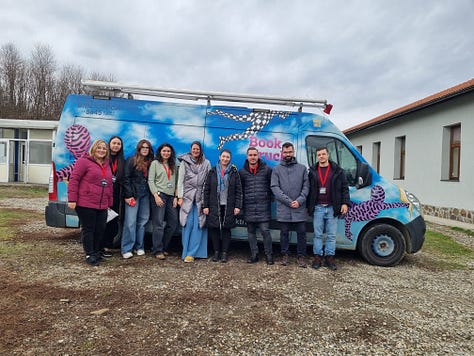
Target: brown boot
(302, 261)
(329, 261)
(317, 261)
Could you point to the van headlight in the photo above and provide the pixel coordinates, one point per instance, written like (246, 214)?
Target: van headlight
(415, 201)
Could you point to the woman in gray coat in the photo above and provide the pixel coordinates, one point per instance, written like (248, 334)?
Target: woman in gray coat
(193, 170)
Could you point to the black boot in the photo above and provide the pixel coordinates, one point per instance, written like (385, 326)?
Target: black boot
(224, 257)
(252, 259)
(215, 258)
(270, 260)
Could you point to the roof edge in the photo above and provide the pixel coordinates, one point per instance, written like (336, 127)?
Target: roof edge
(433, 99)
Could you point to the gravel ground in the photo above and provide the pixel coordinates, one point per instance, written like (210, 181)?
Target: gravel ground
(53, 303)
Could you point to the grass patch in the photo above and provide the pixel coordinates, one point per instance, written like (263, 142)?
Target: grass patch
(22, 191)
(10, 218)
(13, 249)
(465, 231)
(449, 253)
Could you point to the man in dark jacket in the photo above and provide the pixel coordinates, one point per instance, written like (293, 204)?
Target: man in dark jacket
(256, 177)
(290, 186)
(328, 199)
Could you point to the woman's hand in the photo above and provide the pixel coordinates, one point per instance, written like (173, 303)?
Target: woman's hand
(205, 211)
(180, 201)
(71, 205)
(236, 211)
(175, 202)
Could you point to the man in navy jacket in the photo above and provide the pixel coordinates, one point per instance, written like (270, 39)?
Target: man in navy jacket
(255, 177)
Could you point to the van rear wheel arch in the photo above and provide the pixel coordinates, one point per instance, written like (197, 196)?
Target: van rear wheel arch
(382, 243)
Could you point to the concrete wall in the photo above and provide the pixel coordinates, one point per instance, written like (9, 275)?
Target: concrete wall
(426, 166)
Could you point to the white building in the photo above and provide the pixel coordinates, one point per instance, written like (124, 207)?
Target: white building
(427, 147)
(26, 150)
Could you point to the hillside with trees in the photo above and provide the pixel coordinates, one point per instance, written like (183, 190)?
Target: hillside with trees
(36, 87)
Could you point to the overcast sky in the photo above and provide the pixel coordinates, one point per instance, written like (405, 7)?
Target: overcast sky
(366, 57)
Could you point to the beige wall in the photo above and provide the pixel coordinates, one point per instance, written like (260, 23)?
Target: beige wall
(425, 159)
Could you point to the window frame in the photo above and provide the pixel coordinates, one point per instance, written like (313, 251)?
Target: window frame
(454, 145)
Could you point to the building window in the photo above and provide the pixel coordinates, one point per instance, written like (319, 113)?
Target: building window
(454, 152)
(40, 152)
(359, 149)
(376, 156)
(399, 161)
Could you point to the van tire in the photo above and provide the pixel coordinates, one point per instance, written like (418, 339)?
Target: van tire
(382, 245)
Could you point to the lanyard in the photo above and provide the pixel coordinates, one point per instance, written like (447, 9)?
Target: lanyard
(168, 171)
(323, 181)
(114, 167)
(222, 173)
(102, 166)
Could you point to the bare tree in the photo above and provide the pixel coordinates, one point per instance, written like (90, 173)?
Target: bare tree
(12, 75)
(34, 88)
(42, 67)
(68, 82)
(101, 77)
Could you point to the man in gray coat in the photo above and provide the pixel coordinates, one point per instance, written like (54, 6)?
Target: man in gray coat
(290, 186)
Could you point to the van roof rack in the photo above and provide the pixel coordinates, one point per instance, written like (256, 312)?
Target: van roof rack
(118, 88)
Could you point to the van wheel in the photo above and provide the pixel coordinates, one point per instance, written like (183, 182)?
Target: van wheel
(382, 245)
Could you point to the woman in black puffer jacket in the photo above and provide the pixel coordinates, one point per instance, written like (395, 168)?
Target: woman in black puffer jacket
(222, 201)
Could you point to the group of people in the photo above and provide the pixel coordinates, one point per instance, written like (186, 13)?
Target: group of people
(209, 199)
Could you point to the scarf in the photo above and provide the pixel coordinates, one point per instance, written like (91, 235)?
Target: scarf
(222, 176)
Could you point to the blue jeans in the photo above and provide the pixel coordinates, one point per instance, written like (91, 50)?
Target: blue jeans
(136, 217)
(300, 229)
(324, 220)
(162, 234)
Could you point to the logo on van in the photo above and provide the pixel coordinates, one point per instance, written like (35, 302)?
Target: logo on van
(259, 120)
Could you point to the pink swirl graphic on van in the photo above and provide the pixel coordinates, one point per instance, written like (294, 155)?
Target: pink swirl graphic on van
(77, 140)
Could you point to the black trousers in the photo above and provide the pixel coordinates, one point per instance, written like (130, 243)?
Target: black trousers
(220, 239)
(93, 222)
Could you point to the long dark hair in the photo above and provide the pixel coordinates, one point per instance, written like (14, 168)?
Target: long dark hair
(200, 159)
(171, 160)
(118, 157)
(139, 162)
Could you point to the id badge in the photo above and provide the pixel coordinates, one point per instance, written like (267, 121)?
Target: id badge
(170, 185)
(322, 190)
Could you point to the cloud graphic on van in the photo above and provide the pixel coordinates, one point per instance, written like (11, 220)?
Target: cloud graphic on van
(175, 114)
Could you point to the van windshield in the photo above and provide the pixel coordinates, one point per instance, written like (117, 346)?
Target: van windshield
(338, 152)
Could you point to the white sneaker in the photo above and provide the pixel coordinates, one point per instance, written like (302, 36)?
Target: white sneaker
(127, 255)
(140, 252)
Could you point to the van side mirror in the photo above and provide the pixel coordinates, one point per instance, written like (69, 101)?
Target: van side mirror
(364, 176)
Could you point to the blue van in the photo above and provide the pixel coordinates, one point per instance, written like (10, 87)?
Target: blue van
(383, 223)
